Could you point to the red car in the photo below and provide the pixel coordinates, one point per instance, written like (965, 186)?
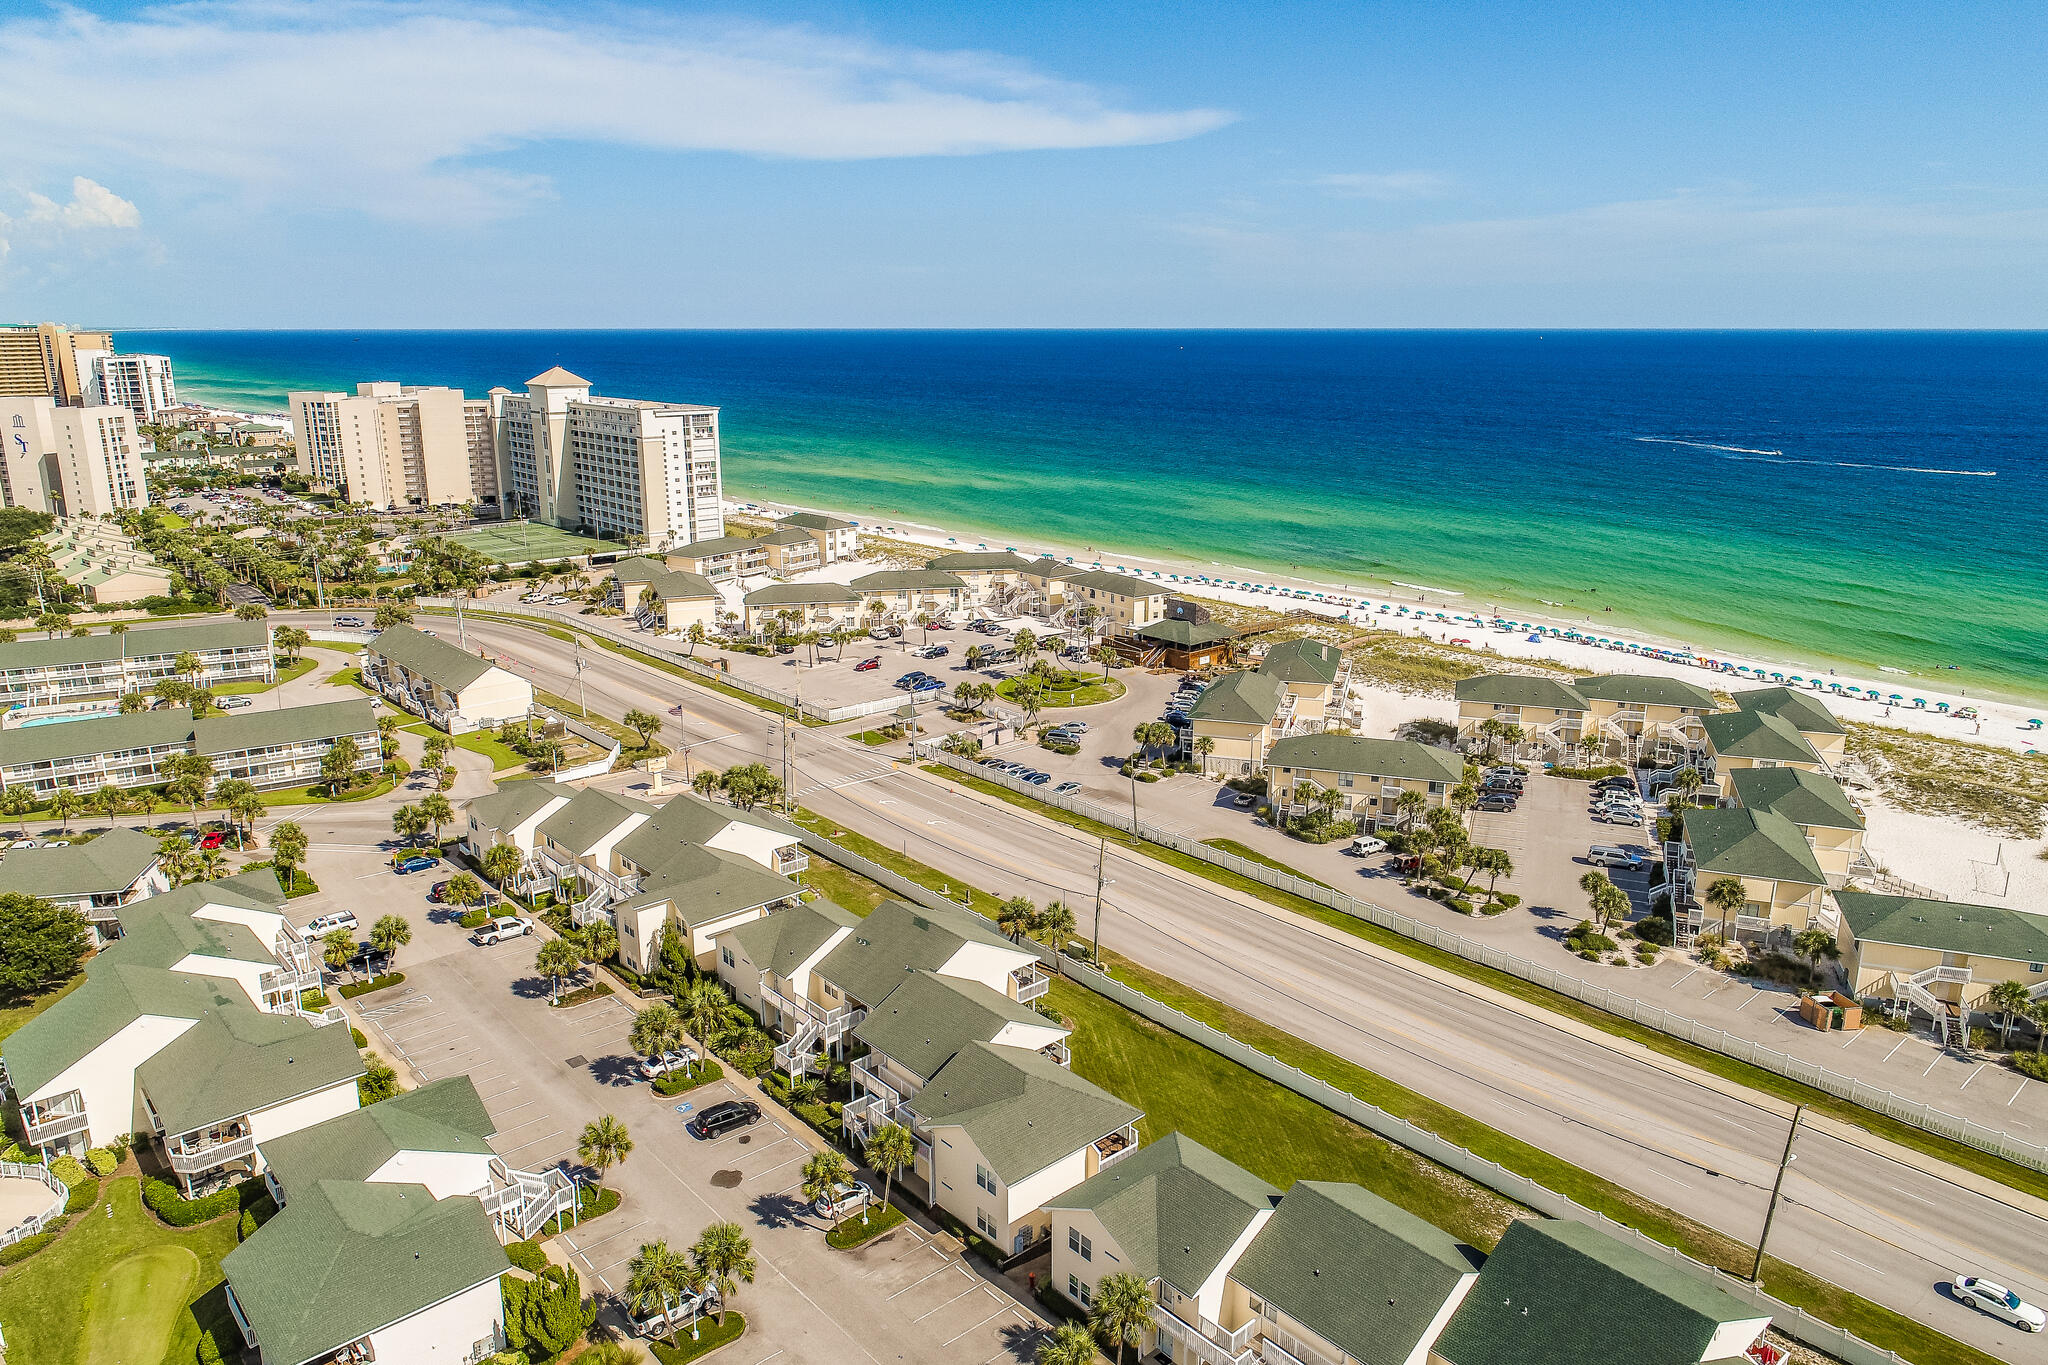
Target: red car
(212, 839)
(866, 665)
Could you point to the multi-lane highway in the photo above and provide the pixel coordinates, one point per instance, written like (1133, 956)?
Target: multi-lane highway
(1884, 1229)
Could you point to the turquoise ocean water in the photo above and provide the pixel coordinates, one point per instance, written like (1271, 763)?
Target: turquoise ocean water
(1855, 499)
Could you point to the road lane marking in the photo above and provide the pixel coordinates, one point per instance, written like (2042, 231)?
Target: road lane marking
(1853, 1261)
(1910, 1195)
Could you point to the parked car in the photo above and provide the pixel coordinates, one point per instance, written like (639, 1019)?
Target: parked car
(868, 665)
(232, 703)
(928, 684)
(419, 862)
(1496, 801)
(1615, 815)
(502, 928)
(1037, 778)
(930, 652)
(326, 924)
(1999, 1302)
(1066, 788)
(654, 1068)
(213, 838)
(883, 633)
(1079, 727)
(1612, 855)
(1366, 846)
(843, 1201)
(721, 1119)
(1244, 800)
(348, 623)
(435, 892)
(1623, 784)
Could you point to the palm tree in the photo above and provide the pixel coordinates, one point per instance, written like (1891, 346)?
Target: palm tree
(1688, 783)
(2009, 1000)
(1121, 1310)
(65, 802)
(209, 864)
(1069, 1344)
(1495, 863)
(726, 1256)
(18, 802)
(696, 635)
(824, 1172)
(1815, 944)
(702, 1008)
(1053, 926)
(657, 1029)
(555, 960)
(109, 800)
(436, 811)
(604, 1144)
(245, 810)
(975, 654)
(598, 942)
(408, 823)
(1204, 746)
(658, 1277)
(501, 862)
(1728, 895)
(704, 783)
(1105, 654)
(1015, 916)
(889, 1151)
(1407, 806)
(388, 935)
(336, 948)
(462, 891)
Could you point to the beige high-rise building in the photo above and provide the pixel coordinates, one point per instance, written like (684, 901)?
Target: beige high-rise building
(643, 471)
(73, 461)
(40, 360)
(388, 444)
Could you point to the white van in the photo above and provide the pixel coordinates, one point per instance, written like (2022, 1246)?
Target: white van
(329, 922)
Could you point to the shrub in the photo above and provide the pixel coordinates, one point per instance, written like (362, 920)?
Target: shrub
(357, 1034)
(1983, 1039)
(1656, 929)
(248, 1228)
(173, 1208)
(1646, 953)
(1507, 900)
(28, 1246)
(375, 983)
(101, 1161)
(676, 1082)
(475, 919)
(1460, 904)
(2031, 1064)
(68, 1170)
(1060, 746)
(527, 1256)
(1148, 777)
(209, 1349)
(83, 1196)
(313, 1000)
(852, 1232)
(1590, 774)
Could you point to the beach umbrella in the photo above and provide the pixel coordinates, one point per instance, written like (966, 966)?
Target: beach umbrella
(1897, 697)
(1920, 703)
(1795, 678)
(1777, 677)
(1941, 706)
(951, 541)
(2033, 724)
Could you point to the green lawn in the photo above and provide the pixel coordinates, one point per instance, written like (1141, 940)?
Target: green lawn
(1067, 689)
(352, 677)
(710, 1336)
(902, 866)
(118, 1291)
(1252, 855)
(298, 668)
(483, 742)
(871, 738)
(13, 1017)
(171, 521)
(317, 795)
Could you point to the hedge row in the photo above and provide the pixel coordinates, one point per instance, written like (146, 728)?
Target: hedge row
(173, 1208)
(375, 983)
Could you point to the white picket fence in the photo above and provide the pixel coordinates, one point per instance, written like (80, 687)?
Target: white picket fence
(1875, 1098)
(35, 1222)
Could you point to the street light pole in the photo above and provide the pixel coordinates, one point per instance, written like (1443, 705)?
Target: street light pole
(1101, 857)
(1756, 1272)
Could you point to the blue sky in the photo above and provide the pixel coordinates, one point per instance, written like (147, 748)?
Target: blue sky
(913, 164)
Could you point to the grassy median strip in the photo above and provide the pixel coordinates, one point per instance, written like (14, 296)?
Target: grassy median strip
(1252, 855)
(1282, 1136)
(2023, 1178)
(900, 863)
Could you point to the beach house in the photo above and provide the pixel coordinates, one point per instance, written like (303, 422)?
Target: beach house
(680, 599)
(902, 594)
(1238, 714)
(994, 578)
(1824, 734)
(103, 561)
(1367, 776)
(187, 1027)
(88, 667)
(1548, 716)
(836, 539)
(1816, 803)
(1632, 716)
(455, 689)
(1310, 669)
(1941, 957)
(1782, 882)
(1113, 603)
(96, 879)
(721, 557)
(808, 606)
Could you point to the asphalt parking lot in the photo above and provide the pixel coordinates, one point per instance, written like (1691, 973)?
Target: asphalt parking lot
(544, 1072)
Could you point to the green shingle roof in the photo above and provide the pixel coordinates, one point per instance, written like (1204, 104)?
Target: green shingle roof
(897, 938)
(816, 521)
(236, 1059)
(160, 931)
(686, 819)
(1561, 1293)
(1184, 634)
(590, 815)
(429, 657)
(1757, 735)
(162, 641)
(705, 884)
(788, 535)
(1359, 1272)
(343, 1259)
(514, 802)
(929, 1018)
(1240, 698)
(1375, 757)
(171, 726)
(1174, 1207)
(259, 729)
(1643, 689)
(1735, 842)
(1303, 661)
(1519, 689)
(445, 1116)
(1945, 926)
(719, 545)
(978, 559)
(113, 997)
(1115, 584)
(668, 584)
(1023, 1111)
(900, 580)
(109, 863)
(780, 942)
(1807, 713)
(801, 595)
(1802, 797)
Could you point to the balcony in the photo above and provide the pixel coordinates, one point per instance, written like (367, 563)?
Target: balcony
(872, 1082)
(47, 1126)
(1030, 982)
(1208, 1343)
(1115, 1147)
(790, 861)
(1273, 1353)
(190, 1156)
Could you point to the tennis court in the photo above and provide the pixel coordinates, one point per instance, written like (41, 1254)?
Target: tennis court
(517, 542)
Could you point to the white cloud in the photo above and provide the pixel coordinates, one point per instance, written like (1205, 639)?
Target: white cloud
(387, 109)
(1389, 187)
(92, 205)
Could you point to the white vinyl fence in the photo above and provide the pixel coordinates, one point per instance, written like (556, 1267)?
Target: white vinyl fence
(1994, 1141)
(60, 1195)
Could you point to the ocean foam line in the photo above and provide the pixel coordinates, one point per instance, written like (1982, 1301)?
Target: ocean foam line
(1705, 445)
(1424, 587)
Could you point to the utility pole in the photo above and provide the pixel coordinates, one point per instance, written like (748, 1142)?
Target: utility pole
(1756, 1272)
(1101, 857)
(577, 646)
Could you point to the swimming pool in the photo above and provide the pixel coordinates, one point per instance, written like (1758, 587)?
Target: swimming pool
(34, 721)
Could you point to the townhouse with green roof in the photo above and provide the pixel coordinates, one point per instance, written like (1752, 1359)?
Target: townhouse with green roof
(661, 597)
(721, 557)
(809, 606)
(904, 594)
(1941, 957)
(1638, 716)
(1754, 739)
(1365, 778)
(835, 537)
(457, 689)
(1115, 603)
(994, 578)
(1310, 670)
(1830, 822)
(189, 1026)
(1548, 715)
(267, 748)
(1563, 1293)
(96, 879)
(1238, 714)
(1782, 882)
(1807, 714)
(103, 665)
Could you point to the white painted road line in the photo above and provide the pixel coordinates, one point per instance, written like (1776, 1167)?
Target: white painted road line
(922, 1278)
(948, 1303)
(1903, 1040)
(998, 1313)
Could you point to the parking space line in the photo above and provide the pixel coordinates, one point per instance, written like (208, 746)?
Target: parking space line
(780, 1165)
(1933, 1064)
(2016, 1094)
(947, 1304)
(535, 1143)
(1903, 1039)
(1747, 1003)
(499, 1118)
(922, 1278)
(1035, 1335)
(998, 1313)
(611, 1237)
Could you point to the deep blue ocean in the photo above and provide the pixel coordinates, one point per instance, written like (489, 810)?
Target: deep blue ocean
(1848, 498)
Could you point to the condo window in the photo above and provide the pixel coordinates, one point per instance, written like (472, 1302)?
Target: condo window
(1080, 1245)
(1077, 1291)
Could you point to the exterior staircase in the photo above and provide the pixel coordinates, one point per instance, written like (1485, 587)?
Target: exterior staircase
(523, 1202)
(1948, 1023)
(796, 1052)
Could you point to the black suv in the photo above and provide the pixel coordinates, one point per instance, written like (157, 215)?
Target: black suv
(721, 1119)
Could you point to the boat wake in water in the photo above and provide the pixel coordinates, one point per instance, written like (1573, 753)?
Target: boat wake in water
(1779, 457)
